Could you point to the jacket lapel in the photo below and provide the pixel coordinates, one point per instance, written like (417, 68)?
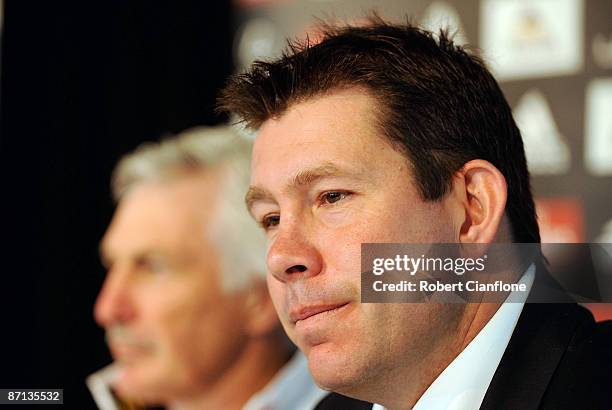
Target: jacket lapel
(538, 343)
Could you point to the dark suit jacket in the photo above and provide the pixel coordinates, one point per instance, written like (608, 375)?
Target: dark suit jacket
(558, 358)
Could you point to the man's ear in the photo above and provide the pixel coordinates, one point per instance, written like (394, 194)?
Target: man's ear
(480, 189)
(261, 317)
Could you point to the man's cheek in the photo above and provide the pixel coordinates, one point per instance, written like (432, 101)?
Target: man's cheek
(340, 217)
(277, 294)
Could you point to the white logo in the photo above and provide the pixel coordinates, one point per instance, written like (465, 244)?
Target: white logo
(440, 14)
(598, 127)
(535, 38)
(546, 150)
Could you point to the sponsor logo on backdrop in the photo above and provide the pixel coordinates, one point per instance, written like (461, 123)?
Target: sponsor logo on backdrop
(535, 38)
(598, 127)
(258, 38)
(441, 14)
(545, 146)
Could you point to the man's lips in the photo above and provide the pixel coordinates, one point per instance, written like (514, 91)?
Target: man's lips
(304, 312)
(129, 352)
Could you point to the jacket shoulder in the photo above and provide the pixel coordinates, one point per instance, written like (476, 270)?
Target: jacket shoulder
(584, 374)
(557, 358)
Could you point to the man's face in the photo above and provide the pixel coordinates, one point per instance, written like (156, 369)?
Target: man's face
(324, 180)
(170, 327)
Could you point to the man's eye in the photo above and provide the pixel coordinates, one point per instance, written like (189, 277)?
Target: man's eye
(332, 197)
(150, 265)
(270, 221)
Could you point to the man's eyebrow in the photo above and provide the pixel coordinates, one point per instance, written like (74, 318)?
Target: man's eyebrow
(302, 178)
(308, 176)
(256, 194)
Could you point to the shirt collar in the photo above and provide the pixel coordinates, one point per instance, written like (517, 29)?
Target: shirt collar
(291, 388)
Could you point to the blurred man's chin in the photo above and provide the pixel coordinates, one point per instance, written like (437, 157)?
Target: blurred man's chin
(135, 384)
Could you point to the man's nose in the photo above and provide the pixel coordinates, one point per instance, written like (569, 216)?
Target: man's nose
(292, 255)
(114, 303)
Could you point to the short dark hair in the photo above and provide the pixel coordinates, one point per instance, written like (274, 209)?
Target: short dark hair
(437, 103)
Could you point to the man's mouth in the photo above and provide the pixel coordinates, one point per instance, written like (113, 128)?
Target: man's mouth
(129, 352)
(307, 311)
(122, 351)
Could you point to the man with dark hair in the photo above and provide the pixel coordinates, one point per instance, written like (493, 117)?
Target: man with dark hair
(390, 134)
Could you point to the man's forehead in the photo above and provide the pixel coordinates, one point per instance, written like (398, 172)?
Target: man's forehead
(338, 126)
(333, 135)
(333, 110)
(156, 215)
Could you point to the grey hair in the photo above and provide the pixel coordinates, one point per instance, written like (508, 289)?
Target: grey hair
(240, 242)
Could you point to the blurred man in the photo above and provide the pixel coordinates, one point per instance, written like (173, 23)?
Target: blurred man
(186, 311)
(389, 134)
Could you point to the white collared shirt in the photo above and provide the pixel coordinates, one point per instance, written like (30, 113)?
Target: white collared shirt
(464, 382)
(291, 389)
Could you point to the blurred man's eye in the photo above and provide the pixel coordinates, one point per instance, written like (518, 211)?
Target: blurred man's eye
(151, 265)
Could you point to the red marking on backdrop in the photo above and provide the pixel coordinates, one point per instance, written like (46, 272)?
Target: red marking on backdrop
(601, 311)
(561, 220)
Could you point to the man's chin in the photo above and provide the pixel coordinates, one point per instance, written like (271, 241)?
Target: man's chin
(135, 384)
(333, 369)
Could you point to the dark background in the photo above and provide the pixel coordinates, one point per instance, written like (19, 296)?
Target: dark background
(82, 84)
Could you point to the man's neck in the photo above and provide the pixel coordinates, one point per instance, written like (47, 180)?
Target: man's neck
(483, 312)
(253, 369)
(474, 319)
(468, 373)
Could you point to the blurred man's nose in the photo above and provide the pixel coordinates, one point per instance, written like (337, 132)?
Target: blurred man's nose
(292, 255)
(114, 304)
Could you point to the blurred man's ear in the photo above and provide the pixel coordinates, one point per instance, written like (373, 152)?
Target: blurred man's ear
(261, 317)
(478, 200)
